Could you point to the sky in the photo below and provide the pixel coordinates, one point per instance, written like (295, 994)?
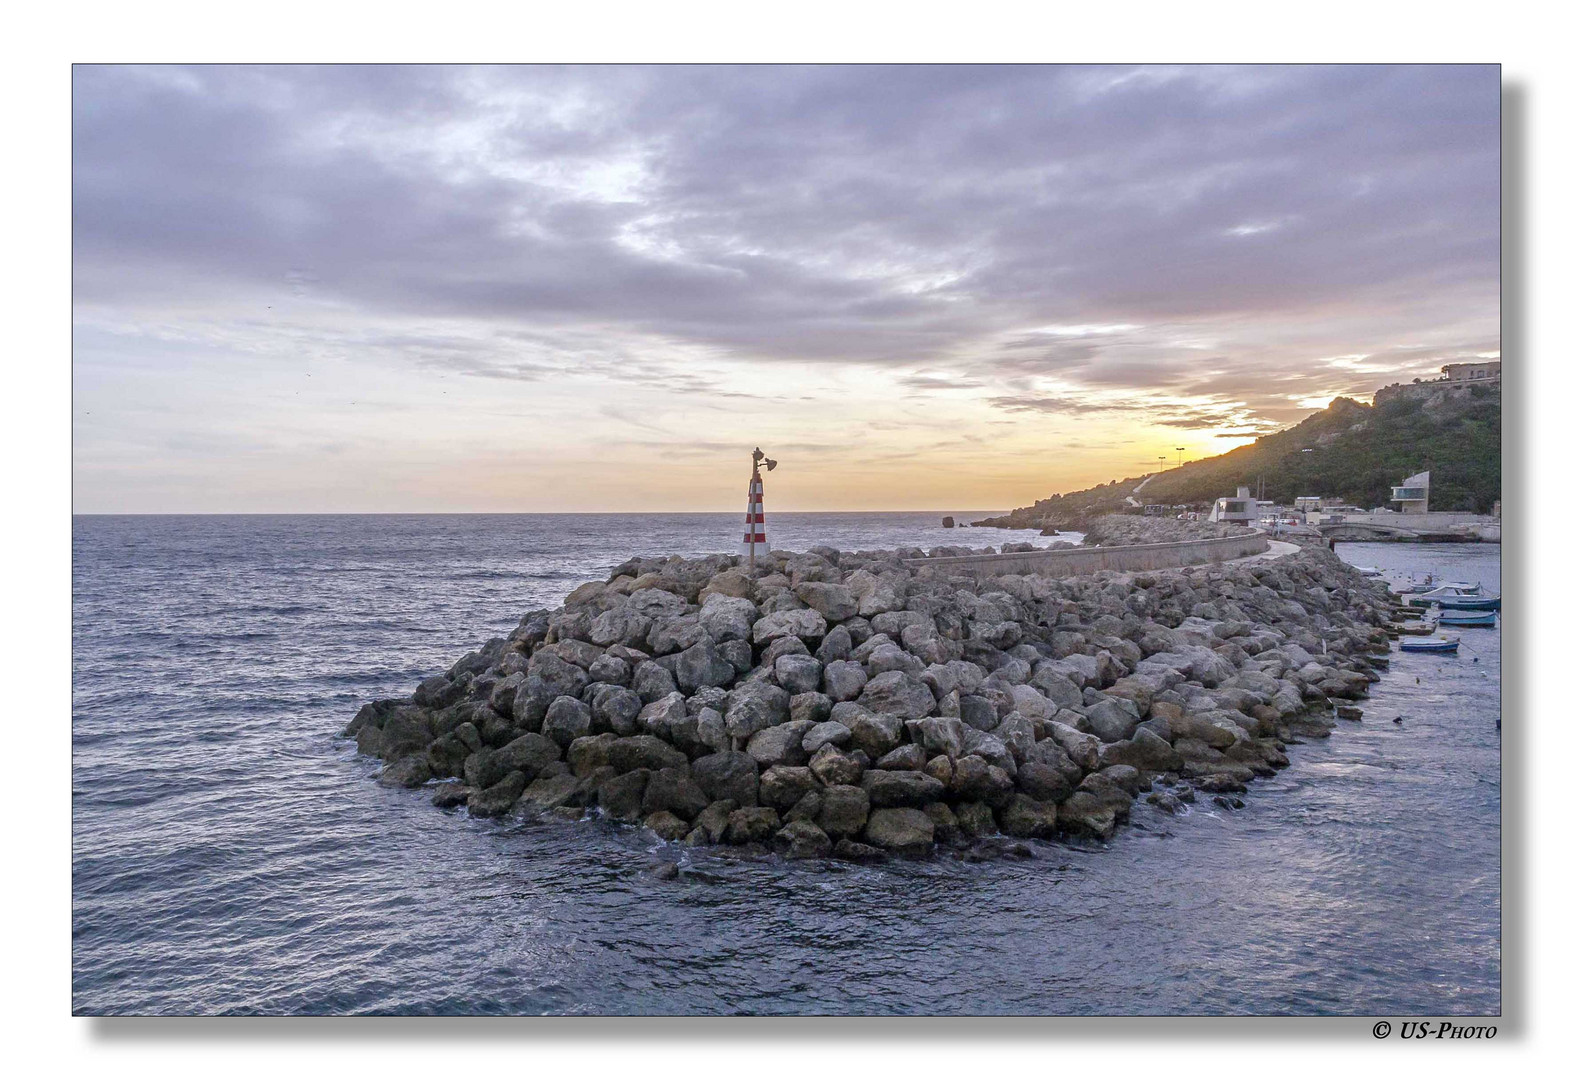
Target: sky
(434, 289)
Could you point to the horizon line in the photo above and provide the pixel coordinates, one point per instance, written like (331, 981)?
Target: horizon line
(480, 513)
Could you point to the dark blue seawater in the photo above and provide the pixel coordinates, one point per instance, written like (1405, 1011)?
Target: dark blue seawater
(231, 855)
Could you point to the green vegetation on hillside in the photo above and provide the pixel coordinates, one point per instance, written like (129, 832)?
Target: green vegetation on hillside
(1349, 452)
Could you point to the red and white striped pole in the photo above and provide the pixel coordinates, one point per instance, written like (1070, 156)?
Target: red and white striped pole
(754, 541)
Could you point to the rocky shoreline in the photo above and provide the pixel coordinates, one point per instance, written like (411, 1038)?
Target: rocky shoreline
(848, 705)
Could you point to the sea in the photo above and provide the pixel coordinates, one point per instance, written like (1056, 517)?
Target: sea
(232, 855)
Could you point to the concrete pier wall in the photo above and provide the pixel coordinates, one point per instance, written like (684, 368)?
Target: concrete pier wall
(1070, 562)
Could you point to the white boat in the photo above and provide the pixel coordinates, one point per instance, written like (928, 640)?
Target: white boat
(1454, 595)
(1430, 645)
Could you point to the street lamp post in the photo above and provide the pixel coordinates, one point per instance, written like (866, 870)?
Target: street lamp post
(1181, 450)
(1161, 459)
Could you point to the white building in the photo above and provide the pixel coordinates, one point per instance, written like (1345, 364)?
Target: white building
(1413, 496)
(1482, 372)
(1241, 510)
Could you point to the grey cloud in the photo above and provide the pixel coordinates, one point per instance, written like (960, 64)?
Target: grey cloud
(920, 219)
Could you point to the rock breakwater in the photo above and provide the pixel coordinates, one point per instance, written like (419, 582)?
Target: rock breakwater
(852, 705)
(1122, 530)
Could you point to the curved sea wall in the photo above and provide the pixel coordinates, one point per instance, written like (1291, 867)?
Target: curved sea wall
(863, 704)
(1072, 561)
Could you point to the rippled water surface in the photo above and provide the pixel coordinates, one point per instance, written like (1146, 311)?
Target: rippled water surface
(231, 854)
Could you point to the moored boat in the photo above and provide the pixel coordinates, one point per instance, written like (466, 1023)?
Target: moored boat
(1465, 598)
(1429, 645)
(1455, 617)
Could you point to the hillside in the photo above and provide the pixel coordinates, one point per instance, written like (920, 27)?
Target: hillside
(1349, 451)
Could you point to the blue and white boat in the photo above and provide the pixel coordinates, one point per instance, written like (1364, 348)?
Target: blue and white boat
(1455, 617)
(1428, 644)
(1464, 598)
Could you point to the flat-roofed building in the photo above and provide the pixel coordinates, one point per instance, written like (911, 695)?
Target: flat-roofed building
(1413, 496)
(1241, 510)
(1485, 371)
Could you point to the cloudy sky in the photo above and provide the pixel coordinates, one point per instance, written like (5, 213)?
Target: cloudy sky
(494, 289)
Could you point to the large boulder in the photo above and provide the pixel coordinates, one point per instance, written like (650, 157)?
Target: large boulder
(587, 754)
(620, 625)
(755, 706)
(836, 646)
(551, 792)
(811, 706)
(805, 624)
(832, 766)
(938, 735)
(652, 681)
(1044, 782)
(780, 745)
(976, 819)
(898, 694)
(438, 692)
(406, 731)
(802, 839)
(675, 634)
(1081, 748)
(797, 674)
(1025, 816)
(781, 786)
(1111, 721)
(562, 679)
(835, 602)
(702, 665)
(529, 754)
(1144, 751)
(675, 791)
(643, 752)
(975, 780)
(904, 830)
(844, 680)
(892, 657)
(622, 797)
(710, 825)
(1056, 687)
(498, 799)
(410, 772)
(751, 824)
(843, 810)
(616, 709)
(888, 787)
(730, 775)
(728, 618)
(829, 731)
(566, 720)
(733, 582)
(663, 716)
(875, 734)
(1085, 814)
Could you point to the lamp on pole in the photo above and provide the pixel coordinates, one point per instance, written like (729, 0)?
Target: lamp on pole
(754, 523)
(1161, 459)
(1181, 450)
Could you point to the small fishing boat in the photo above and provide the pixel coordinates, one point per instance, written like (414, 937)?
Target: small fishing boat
(1468, 598)
(1455, 617)
(1430, 645)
